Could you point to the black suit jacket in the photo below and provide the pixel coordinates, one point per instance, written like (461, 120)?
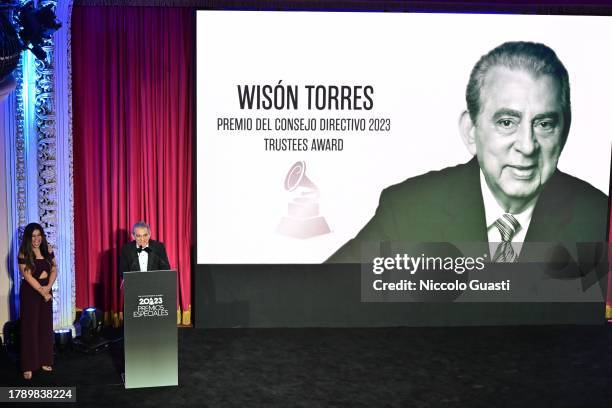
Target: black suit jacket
(128, 258)
(447, 206)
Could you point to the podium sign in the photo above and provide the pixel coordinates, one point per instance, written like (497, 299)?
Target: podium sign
(150, 333)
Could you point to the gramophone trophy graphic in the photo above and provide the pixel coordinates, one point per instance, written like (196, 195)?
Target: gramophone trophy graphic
(303, 219)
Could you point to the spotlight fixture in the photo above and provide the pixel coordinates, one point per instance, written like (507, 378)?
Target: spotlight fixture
(91, 341)
(63, 339)
(91, 324)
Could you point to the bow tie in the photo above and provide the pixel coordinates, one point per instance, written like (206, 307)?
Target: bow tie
(140, 249)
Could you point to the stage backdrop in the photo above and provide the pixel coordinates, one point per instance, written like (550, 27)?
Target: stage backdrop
(299, 129)
(304, 117)
(132, 93)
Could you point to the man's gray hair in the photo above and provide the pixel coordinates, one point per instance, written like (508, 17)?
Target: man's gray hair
(535, 58)
(141, 224)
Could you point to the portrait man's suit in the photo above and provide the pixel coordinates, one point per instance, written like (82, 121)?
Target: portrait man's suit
(447, 206)
(128, 259)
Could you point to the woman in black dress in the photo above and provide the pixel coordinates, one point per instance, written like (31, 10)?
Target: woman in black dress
(39, 271)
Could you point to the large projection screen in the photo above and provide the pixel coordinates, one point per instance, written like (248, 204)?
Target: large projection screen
(303, 118)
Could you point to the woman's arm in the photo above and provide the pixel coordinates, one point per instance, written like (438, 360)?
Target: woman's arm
(26, 273)
(52, 275)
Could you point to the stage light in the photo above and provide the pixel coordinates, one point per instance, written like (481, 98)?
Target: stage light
(63, 339)
(91, 340)
(91, 324)
(11, 336)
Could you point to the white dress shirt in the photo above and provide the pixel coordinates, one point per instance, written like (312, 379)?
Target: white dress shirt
(143, 258)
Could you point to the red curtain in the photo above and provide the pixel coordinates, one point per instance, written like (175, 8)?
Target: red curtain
(132, 143)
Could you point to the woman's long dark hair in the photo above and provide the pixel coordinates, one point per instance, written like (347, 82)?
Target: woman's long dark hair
(25, 249)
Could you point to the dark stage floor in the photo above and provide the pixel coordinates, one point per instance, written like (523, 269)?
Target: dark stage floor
(553, 366)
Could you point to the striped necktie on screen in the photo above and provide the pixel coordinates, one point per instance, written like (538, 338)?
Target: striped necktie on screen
(507, 226)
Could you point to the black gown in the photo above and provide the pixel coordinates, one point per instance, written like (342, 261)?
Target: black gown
(36, 321)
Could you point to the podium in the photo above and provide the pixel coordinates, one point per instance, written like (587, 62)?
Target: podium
(150, 333)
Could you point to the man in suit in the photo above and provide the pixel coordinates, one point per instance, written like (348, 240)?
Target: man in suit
(143, 253)
(516, 124)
